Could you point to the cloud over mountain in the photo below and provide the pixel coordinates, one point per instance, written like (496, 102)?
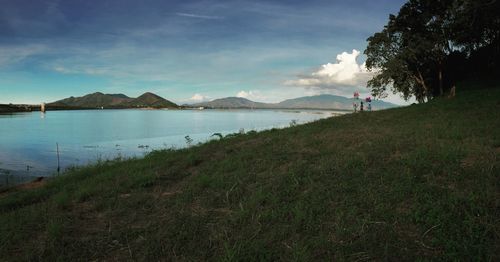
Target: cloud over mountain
(344, 75)
(198, 98)
(251, 94)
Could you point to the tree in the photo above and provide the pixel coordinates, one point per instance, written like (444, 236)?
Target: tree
(416, 53)
(403, 54)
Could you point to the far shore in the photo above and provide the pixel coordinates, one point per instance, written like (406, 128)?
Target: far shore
(16, 108)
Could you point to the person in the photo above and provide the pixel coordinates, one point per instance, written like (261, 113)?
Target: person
(369, 107)
(355, 107)
(361, 106)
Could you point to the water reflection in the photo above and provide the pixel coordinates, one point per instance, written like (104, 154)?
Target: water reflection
(28, 140)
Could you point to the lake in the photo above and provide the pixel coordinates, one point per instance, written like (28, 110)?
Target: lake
(28, 140)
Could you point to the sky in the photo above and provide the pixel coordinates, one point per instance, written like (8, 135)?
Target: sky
(187, 51)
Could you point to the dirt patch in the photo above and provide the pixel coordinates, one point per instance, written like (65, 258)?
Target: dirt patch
(37, 183)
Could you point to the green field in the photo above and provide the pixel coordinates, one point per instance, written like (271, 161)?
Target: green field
(419, 182)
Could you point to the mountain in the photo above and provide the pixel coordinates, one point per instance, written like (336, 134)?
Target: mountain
(98, 100)
(307, 102)
(151, 100)
(318, 102)
(120, 96)
(232, 102)
(330, 102)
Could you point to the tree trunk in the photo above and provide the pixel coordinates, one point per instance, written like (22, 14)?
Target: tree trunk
(421, 81)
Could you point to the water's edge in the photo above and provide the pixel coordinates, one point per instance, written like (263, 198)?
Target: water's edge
(111, 149)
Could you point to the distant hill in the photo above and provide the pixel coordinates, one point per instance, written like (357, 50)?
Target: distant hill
(330, 102)
(307, 102)
(151, 100)
(98, 100)
(232, 102)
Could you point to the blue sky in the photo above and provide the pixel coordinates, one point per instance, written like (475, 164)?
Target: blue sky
(185, 51)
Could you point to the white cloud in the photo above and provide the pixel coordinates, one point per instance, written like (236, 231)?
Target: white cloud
(251, 94)
(80, 70)
(199, 16)
(199, 98)
(10, 55)
(343, 76)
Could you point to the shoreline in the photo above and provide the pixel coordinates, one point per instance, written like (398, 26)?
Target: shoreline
(20, 108)
(24, 177)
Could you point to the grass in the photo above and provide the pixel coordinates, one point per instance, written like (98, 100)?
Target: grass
(414, 183)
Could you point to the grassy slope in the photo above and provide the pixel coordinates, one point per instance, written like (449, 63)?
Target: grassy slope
(421, 181)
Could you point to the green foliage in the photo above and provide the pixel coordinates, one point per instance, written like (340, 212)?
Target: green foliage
(219, 135)
(423, 50)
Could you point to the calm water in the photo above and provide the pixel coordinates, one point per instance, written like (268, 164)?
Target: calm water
(28, 140)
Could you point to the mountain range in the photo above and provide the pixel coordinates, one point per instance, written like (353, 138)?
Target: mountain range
(150, 100)
(307, 102)
(100, 100)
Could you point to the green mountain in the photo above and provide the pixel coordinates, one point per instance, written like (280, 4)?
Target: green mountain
(98, 100)
(307, 102)
(330, 102)
(233, 102)
(150, 100)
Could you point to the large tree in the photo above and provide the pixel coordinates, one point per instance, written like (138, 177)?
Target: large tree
(417, 52)
(402, 54)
